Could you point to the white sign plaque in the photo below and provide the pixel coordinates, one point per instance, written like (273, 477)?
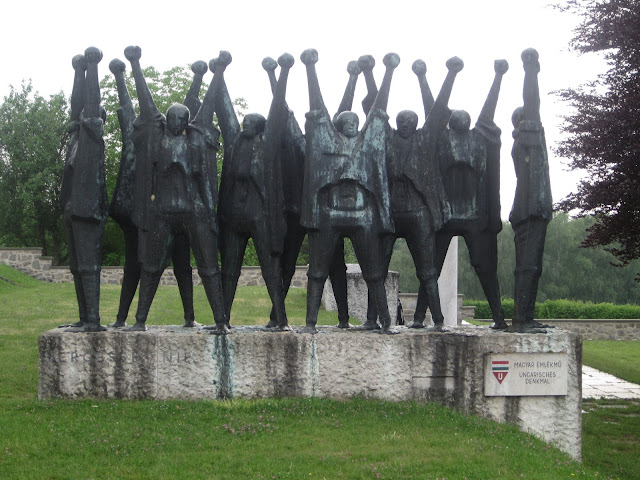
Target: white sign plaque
(525, 374)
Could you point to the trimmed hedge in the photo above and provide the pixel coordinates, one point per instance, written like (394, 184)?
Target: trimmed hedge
(562, 309)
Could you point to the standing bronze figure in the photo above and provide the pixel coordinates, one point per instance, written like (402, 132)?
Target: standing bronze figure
(122, 204)
(532, 205)
(83, 191)
(470, 168)
(292, 155)
(251, 192)
(346, 190)
(418, 204)
(176, 192)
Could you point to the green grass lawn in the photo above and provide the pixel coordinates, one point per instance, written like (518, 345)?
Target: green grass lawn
(271, 438)
(621, 359)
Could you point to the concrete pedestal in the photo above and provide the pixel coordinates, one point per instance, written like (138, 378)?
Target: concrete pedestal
(450, 368)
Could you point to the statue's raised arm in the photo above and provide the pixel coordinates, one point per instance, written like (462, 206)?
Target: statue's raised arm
(347, 99)
(148, 109)
(391, 61)
(531, 92)
(227, 119)
(203, 116)
(277, 118)
(79, 65)
(269, 65)
(192, 99)
(126, 112)
(489, 108)
(420, 69)
(310, 57)
(366, 64)
(439, 115)
(92, 91)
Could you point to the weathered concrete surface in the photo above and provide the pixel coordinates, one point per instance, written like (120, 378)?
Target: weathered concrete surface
(448, 368)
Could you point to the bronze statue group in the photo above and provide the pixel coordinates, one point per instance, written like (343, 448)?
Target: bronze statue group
(372, 185)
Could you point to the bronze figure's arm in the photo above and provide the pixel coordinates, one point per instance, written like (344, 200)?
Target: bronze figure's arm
(79, 65)
(310, 57)
(148, 109)
(420, 69)
(227, 119)
(192, 99)
(531, 93)
(489, 108)
(92, 92)
(366, 64)
(128, 115)
(277, 118)
(391, 61)
(439, 114)
(347, 99)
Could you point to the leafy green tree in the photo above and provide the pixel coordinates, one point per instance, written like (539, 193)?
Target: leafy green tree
(568, 271)
(604, 129)
(32, 150)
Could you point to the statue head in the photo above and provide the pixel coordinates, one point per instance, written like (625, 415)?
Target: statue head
(516, 117)
(177, 118)
(252, 125)
(406, 122)
(460, 121)
(347, 124)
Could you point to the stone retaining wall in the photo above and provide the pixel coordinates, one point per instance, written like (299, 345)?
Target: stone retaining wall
(589, 329)
(31, 262)
(596, 329)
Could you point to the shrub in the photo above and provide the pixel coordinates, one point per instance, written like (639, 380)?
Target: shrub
(563, 309)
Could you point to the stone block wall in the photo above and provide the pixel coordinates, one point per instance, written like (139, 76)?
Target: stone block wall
(590, 329)
(595, 329)
(31, 262)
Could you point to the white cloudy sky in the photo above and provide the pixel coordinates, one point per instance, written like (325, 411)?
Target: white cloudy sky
(39, 39)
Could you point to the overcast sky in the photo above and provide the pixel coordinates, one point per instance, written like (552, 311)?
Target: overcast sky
(39, 39)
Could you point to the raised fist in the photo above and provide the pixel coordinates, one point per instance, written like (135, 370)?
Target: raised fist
(224, 59)
(79, 62)
(353, 68)
(116, 66)
(93, 55)
(269, 64)
(132, 53)
(530, 60)
(455, 64)
(199, 67)
(501, 66)
(309, 56)
(391, 60)
(286, 60)
(366, 62)
(419, 68)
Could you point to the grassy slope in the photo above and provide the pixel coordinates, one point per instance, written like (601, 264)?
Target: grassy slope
(276, 438)
(621, 359)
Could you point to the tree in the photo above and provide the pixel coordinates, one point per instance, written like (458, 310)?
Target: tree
(604, 130)
(33, 140)
(568, 271)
